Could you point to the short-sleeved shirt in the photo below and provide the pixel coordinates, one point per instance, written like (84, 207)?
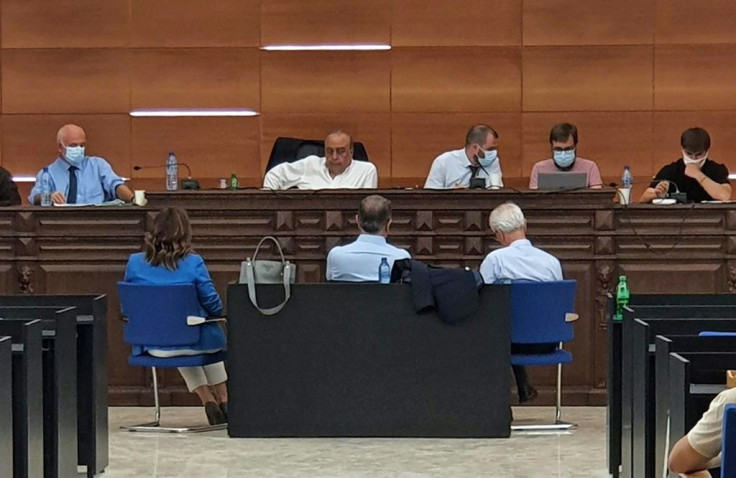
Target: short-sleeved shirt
(520, 260)
(96, 181)
(675, 174)
(359, 260)
(705, 437)
(452, 168)
(581, 165)
(312, 173)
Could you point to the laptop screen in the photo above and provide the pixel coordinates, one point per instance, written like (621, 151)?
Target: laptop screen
(557, 181)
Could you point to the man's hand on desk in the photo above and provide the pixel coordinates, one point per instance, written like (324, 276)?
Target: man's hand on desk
(57, 198)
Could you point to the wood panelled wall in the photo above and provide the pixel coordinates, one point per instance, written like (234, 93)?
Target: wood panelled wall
(631, 74)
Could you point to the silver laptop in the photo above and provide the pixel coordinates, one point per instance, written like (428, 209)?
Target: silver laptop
(564, 181)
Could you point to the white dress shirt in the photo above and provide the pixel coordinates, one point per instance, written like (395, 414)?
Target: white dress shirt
(520, 261)
(359, 260)
(312, 173)
(453, 167)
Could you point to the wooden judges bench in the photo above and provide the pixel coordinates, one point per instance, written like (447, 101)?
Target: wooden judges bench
(662, 249)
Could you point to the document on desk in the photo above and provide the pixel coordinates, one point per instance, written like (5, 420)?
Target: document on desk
(115, 202)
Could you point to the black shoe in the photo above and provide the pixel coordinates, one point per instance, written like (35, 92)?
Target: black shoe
(527, 394)
(223, 409)
(214, 414)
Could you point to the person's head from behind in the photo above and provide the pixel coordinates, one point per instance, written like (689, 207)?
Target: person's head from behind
(338, 151)
(507, 223)
(563, 140)
(374, 215)
(695, 144)
(71, 141)
(170, 239)
(481, 145)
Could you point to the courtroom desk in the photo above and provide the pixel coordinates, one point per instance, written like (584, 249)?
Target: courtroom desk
(73, 251)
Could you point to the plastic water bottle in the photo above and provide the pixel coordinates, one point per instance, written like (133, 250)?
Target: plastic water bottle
(45, 188)
(233, 181)
(384, 272)
(626, 179)
(622, 297)
(172, 173)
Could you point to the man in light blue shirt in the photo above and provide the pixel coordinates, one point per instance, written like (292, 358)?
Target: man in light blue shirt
(79, 179)
(478, 159)
(359, 260)
(518, 260)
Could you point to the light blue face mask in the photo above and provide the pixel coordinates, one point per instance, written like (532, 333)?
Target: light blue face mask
(564, 159)
(488, 157)
(74, 154)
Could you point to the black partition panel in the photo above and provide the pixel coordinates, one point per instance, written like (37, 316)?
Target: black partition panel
(27, 387)
(682, 299)
(355, 360)
(6, 407)
(92, 413)
(59, 384)
(680, 311)
(613, 390)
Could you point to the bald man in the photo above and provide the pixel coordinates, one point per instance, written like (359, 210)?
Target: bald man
(79, 179)
(337, 170)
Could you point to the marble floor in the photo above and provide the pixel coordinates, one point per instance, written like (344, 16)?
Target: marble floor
(581, 453)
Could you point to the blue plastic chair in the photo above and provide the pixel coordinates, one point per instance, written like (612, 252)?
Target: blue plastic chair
(541, 312)
(728, 442)
(156, 316)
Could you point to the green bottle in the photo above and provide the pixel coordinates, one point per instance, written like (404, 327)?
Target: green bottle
(622, 297)
(233, 181)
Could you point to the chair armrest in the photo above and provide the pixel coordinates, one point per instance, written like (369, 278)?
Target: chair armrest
(122, 318)
(193, 320)
(570, 317)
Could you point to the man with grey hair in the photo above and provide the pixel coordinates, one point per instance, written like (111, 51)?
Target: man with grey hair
(336, 170)
(478, 160)
(518, 260)
(359, 260)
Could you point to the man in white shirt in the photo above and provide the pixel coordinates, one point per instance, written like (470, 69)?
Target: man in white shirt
(337, 170)
(478, 159)
(518, 260)
(359, 260)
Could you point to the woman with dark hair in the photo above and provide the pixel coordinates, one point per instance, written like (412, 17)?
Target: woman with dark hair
(168, 258)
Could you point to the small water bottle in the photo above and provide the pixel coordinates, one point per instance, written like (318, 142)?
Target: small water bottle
(384, 272)
(172, 173)
(233, 181)
(622, 297)
(45, 188)
(626, 179)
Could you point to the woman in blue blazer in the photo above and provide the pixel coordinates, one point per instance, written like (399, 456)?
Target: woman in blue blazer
(168, 259)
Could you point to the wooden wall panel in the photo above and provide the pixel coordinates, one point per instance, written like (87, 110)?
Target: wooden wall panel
(612, 140)
(704, 21)
(455, 79)
(65, 24)
(668, 126)
(212, 147)
(587, 78)
(422, 23)
(194, 23)
(695, 77)
(325, 21)
(29, 141)
(325, 82)
(373, 130)
(196, 78)
(65, 81)
(593, 22)
(419, 138)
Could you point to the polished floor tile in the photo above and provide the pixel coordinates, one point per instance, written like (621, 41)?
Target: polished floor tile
(580, 453)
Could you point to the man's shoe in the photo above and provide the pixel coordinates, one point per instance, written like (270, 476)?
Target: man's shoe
(214, 414)
(223, 409)
(527, 394)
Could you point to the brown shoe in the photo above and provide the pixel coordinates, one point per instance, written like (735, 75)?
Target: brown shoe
(214, 414)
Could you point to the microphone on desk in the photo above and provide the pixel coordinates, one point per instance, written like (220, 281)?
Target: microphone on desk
(188, 183)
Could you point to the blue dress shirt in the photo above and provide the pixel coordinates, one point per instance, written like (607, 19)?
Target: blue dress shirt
(96, 181)
(189, 270)
(359, 260)
(520, 261)
(453, 168)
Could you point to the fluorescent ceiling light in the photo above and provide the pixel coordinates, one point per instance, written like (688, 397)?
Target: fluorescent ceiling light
(366, 47)
(24, 179)
(177, 112)
(732, 176)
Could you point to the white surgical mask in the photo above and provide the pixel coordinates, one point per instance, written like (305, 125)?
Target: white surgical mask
(564, 159)
(74, 154)
(698, 162)
(488, 157)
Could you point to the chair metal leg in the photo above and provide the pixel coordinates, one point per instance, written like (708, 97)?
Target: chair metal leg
(559, 424)
(155, 426)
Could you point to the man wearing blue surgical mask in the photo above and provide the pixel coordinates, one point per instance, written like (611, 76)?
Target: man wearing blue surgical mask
(77, 178)
(563, 140)
(477, 161)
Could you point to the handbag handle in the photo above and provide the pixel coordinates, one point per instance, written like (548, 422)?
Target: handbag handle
(285, 275)
(278, 248)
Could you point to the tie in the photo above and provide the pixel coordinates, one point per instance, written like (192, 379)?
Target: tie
(72, 196)
(473, 171)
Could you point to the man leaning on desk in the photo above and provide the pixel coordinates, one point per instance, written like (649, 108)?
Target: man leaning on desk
(79, 179)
